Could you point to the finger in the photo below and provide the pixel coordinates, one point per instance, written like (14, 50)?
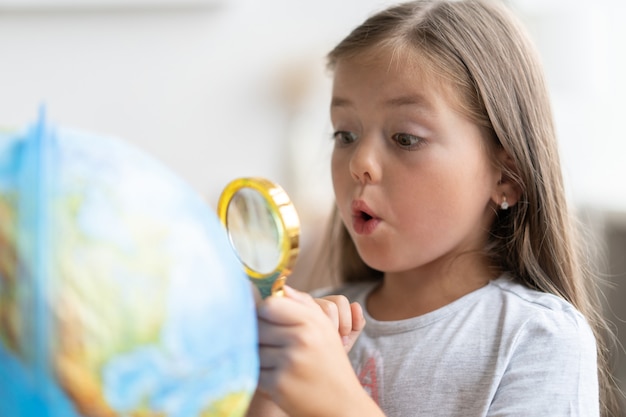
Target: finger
(344, 312)
(271, 357)
(283, 310)
(330, 310)
(280, 335)
(270, 334)
(301, 297)
(358, 318)
(358, 324)
(267, 382)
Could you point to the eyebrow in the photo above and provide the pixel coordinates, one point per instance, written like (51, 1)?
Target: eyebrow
(401, 101)
(409, 100)
(339, 102)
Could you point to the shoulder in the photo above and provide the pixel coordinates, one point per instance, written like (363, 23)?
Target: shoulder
(546, 330)
(538, 310)
(544, 339)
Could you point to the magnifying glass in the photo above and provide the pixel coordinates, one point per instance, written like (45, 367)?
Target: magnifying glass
(264, 230)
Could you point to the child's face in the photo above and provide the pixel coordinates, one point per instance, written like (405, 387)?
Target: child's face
(413, 180)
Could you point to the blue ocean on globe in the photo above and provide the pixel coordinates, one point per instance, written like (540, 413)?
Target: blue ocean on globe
(119, 292)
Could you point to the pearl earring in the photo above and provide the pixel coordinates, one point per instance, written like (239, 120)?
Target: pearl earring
(505, 204)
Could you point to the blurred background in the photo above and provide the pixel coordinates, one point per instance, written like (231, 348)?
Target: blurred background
(218, 89)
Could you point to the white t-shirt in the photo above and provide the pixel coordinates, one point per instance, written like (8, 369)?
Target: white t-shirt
(502, 350)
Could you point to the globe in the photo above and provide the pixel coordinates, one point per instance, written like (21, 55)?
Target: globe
(119, 292)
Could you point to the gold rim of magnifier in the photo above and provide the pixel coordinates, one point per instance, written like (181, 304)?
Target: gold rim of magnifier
(284, 214)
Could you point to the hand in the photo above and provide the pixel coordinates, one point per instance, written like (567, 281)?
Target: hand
(346, 316)
(304, 366)
(263, 406)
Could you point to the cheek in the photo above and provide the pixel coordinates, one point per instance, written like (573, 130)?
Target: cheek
(460, 205)
(342, 183)
(443, 196)
(467, 176)
(339, 171)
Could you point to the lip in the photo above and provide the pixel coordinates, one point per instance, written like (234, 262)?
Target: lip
(364, 220)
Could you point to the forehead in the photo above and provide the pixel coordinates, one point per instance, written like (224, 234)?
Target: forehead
(391, 73)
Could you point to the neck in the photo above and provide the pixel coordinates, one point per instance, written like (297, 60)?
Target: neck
(413, 293)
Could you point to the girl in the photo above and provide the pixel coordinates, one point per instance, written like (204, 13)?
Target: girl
(452, 235)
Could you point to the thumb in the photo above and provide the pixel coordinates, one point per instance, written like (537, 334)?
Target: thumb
(301, 297)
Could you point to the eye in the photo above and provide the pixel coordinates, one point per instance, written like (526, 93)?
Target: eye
(407, 141)
(343, 138)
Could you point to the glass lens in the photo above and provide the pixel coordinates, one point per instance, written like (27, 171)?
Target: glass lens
(254, 230)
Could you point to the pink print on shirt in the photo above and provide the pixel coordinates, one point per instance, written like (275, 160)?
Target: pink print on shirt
(369, 378)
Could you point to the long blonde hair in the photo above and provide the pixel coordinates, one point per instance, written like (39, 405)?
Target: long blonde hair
(481, 50)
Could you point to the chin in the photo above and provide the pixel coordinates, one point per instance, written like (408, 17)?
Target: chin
(374, 261)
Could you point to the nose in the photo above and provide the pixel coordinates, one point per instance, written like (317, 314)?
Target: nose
(365, 162)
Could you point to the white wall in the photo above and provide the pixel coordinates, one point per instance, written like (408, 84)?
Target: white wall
(200, 88)
(203, 88)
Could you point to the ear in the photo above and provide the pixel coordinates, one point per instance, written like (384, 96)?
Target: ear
(506, 189)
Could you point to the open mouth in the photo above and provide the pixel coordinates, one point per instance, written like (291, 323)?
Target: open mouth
(365, 216)
(364, 221)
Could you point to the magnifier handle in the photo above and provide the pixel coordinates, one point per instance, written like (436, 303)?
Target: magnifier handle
(277, 287)
(272, 285)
